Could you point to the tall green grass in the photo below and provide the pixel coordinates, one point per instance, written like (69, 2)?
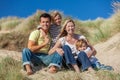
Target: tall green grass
(106, 75)
(9, 23)
(30, 23)
(14, 41)
(10, 70)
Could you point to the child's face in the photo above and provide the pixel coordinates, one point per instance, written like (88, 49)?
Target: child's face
(57, 20)
(83, 47)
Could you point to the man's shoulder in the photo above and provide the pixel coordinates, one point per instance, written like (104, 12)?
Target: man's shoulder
(34, 35)
(35, 31)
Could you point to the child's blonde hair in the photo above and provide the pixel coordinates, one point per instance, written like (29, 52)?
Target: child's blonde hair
(54, 14)
(80, 42)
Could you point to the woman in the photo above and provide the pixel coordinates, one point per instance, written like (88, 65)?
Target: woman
(67, 41)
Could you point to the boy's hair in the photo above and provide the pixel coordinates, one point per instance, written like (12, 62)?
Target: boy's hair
(80, 42)
(45, 15)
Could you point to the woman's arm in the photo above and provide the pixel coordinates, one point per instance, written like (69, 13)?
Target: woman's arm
(57, 48)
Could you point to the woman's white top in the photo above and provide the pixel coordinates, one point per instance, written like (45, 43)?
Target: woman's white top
(63, 42)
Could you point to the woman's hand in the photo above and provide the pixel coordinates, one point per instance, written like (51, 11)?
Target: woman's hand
(60, 51)
(45, 36)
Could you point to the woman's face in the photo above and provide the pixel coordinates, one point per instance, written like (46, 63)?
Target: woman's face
(57, 20)
(70, 28)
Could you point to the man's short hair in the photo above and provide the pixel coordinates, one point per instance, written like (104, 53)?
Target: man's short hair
(45, 15)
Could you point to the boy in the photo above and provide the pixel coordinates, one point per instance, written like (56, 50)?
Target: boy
(81, 45)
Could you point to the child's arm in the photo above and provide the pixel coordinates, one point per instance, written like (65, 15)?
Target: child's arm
(89, 52)
(94, 52)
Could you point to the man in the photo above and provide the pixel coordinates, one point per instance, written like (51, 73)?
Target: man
(38, 46)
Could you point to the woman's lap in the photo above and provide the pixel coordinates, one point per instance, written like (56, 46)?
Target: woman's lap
(82, 60)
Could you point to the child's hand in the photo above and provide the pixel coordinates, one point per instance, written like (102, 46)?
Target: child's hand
(46, 40)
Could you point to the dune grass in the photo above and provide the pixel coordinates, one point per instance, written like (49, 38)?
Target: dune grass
(9, 23)
(10, 70)
(95, 30)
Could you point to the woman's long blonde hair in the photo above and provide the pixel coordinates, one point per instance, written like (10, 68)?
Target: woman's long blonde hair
(63, 31)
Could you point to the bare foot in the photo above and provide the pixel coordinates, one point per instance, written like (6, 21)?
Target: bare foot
(28, 69)
(76, 68)
(53, 69)
(91, 70)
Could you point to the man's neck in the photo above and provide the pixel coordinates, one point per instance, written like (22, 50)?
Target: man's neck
(46, 31)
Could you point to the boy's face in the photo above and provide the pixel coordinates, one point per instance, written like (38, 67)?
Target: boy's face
(83, 47)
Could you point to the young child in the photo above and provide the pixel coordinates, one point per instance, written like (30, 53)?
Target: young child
(82, 45)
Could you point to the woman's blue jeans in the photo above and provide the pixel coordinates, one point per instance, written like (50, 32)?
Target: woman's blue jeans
(29, 57)
(82, 58)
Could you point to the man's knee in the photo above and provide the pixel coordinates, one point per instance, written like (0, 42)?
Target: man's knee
(25, 50)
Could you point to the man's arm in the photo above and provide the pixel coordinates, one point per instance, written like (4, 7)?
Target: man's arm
(34, 47)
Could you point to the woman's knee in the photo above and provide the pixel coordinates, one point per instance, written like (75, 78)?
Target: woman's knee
(66, 47)
(67, 50)
(82, 53)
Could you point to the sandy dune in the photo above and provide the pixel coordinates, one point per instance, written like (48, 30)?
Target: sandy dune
(107, 52)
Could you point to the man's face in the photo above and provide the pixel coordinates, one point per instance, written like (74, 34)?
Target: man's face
(45, 23)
